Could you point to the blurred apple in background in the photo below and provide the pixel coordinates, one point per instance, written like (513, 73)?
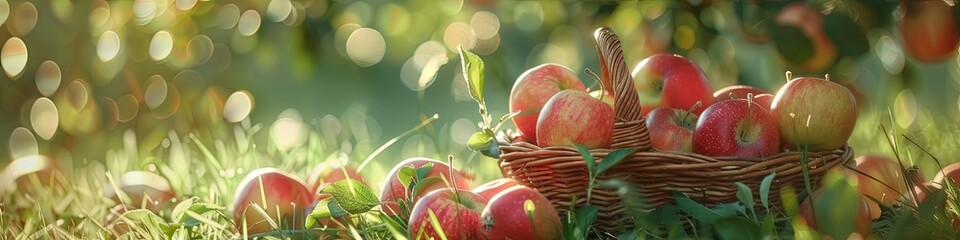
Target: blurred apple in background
(532, 90)
(282, 196)
(393, 190)
(809, 21)
(670, 80)
(573, 117)
(143, 189)
(457, 210)
(928, 29)
(28, 173)
(736, 127)
(671, 129)
(831, 108)
(765, 100)
(811, 215)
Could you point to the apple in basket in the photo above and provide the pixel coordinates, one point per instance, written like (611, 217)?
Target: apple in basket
(281, 196)
(814, 112)
(737, 92)
(457, 210)
(605, 96)
(929, 29)
(671, 129)
(532, 90)
(573, 117)
(393, 190)
(809, 21)
(736, 127)
(491, 188)
(520, 212)
(669, 80)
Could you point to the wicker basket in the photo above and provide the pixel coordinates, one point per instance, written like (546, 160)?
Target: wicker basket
(560, 173)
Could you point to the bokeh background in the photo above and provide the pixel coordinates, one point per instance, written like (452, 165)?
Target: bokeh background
(114, 86)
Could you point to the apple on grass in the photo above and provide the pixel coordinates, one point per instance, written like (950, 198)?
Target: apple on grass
(520, 212)
(736, 127)
(281, 196)
(669, 80)
(331, 172)
(532, 90)
(456, 210)
(30, 174)
(491, 188)
(823, 213)
(143, 189)
(929, 30)
(671, 129)
(394, 191)
(815, 113)
(573, 117)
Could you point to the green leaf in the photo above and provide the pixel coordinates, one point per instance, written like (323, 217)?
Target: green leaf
(423, 184)
(181, 208)
(845, 34)
(586, 215)
(737, 228)
(480, 141)
(700, 212)
(612, 159)
(745, 195)
(588, 159)
(327, 207)
(629, 235)
(765, 190)
(406, 176)
(472, 73)
(423, 170)
(768, 225)
(354, 196)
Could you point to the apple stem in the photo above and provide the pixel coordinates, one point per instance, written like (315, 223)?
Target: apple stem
(603, 88)
(827, 77)
(789, 75)
(689, 112)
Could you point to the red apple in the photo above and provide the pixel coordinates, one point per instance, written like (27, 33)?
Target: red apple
(862, 221)
(520, 213)
(737, 92)
(394, 191)
(928, 29)
(331, 172)
(573, 117)
(25, 173)
(950, 172)
(671, 129)
(814, 112)
(457, 210)
(891, 186)
(144, 189)
(810, 22)
(669, 80)
(765, 100)
(532, 90)
(490, 189)
(282, 196)
(736, 127)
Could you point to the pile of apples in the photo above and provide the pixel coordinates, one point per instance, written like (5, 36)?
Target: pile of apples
(496, 210)
(683, 113)
(499, 209)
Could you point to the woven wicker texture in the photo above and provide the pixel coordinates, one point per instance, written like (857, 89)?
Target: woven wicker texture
(560, 174)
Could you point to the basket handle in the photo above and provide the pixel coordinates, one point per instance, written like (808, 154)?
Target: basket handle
(614, 70)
